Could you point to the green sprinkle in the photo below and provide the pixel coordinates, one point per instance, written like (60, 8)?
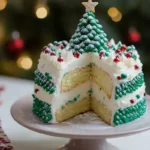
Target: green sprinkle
(137, 96)
(119, 44)
(134, 56)
(42, 110)
(90, 92)
(124, 76)
(131, 113)
(44, 81)
(129, 87)
(65, 74)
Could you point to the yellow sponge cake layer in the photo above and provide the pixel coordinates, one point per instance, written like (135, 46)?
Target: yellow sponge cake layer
(101, 110)
(72, 109)
(75, 78)
(103, 80)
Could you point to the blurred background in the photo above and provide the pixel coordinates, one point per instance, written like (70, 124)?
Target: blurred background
(26, 26)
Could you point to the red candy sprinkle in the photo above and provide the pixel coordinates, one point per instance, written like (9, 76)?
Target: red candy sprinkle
(77, 54)
(128, 55)
(117, 51)
(101, 55)
(52, 54)
(132, 101)
(119, 78)
(60, 59)
(36, 90)
(116, 60)
(62, 47)
(123, 48)
(46, 51)
(136, 67)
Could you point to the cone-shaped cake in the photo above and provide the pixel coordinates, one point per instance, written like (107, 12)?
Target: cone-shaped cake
(89, 73)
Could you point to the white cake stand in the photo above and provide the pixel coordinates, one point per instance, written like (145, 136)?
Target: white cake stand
(87, 131)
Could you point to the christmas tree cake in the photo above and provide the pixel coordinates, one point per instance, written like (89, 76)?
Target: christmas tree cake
(89, 73)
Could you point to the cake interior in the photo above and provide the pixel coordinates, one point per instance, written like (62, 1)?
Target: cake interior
(98, 80)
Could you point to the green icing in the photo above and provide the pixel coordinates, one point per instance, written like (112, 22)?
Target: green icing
(129, 87)
(44, 81)
(134, 56)
(131, 113)
(71, 101)
(129, 49)
(62, 107)
(138, 96)
(89, 36)
(124, 76)
(65, 74)
(90, 92)
(42, 110)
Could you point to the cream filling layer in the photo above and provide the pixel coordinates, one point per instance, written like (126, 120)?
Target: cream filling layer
(57, 100)
(100, 95)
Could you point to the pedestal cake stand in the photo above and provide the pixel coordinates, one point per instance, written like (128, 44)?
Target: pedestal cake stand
(87, 131)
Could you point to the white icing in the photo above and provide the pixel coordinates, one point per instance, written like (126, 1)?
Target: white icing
(124, 102)
(57, 70)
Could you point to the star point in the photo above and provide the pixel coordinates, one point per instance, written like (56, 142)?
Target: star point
(90, 6)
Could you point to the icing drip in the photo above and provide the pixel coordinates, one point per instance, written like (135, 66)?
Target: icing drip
(42, 110)
(130, 113)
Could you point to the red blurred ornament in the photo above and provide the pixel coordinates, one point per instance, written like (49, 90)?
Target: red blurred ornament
(134, 35)
(15, 45)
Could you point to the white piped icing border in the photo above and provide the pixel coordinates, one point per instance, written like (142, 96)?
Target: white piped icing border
(48, 62)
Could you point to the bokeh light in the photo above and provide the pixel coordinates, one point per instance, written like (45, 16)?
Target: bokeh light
(41, 12)
(117, 18)
(24, 62)
(3, 4)
(113, 12)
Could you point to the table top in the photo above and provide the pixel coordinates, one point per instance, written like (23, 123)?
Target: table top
(24, 139)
